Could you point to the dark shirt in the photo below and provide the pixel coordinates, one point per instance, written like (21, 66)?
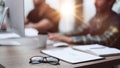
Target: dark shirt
(107, 33)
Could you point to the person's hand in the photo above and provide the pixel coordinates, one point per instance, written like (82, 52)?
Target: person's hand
(29, 25)
(3, 26)
(59, 37)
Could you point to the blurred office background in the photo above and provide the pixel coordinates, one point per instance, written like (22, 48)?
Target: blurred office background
(86, 8)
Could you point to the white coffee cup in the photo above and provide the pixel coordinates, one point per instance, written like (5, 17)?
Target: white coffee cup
(42, 41)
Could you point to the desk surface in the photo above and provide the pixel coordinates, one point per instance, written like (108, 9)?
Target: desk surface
(18, 57)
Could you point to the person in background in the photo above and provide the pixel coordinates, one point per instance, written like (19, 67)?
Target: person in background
(104, 28)
(43, 18)
(2, 6)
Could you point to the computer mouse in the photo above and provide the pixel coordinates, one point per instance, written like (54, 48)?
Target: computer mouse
(60, 44)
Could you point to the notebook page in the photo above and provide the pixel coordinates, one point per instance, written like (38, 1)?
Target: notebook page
(70, 55)
(97, 49)
(106, 51)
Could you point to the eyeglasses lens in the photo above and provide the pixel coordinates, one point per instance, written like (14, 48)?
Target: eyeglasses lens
(50, 60)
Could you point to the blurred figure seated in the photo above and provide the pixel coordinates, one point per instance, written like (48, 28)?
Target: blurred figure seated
(104, 28)
(43, 18)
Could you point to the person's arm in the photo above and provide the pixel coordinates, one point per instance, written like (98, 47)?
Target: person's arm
(105, 37)
(60, 37)
(26, 21)
(4, 27)
(83, 30)
(111, 32)
(42, 25)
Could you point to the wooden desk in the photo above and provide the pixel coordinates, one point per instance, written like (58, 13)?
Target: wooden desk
(18, 57)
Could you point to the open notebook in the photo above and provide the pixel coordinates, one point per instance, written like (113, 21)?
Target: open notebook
(70, 55)
(97, 49)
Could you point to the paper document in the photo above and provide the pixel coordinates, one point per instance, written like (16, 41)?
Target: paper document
(97, 49)
(70, 55)
(30, 32)
(9, 35)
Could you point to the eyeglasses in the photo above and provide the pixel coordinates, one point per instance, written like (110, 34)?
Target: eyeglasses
(41, 59)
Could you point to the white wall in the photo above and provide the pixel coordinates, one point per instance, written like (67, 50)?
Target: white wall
(67, 22)
(54, 4)
(88, 9)
(116, 6)
(28, 5)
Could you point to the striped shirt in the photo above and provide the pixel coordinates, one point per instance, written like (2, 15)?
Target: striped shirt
(107, 34)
